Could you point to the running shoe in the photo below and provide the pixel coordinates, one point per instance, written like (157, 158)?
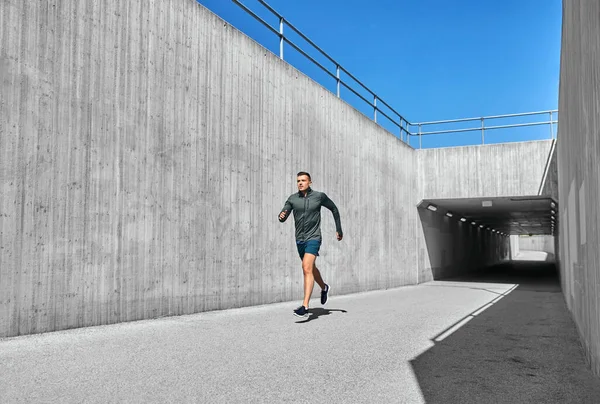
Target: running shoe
(324, 294)
(301, 312)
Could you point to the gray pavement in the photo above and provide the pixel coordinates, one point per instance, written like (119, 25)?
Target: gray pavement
(393, 346)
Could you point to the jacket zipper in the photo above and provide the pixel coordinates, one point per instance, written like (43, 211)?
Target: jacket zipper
(305, 211)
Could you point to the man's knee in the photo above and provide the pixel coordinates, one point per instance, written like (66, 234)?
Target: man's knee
(308, 265)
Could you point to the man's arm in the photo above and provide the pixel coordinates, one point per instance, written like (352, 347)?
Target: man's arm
(285, 212)
(328, 203)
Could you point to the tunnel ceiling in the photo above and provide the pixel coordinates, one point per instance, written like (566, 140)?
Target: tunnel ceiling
(510, 215)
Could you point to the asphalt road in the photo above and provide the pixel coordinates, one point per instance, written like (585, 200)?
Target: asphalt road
(393, 346)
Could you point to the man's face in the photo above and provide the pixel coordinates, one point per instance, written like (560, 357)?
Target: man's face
(303, 183)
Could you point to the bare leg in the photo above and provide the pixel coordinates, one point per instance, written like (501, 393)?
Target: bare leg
(318, 278)
(308, 264)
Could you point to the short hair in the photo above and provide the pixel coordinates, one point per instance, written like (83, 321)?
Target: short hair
(304, 173)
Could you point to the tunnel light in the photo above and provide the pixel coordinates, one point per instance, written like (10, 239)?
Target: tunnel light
(493, 231)
(481, 226)
(552, 212)
(449, 214)
(474, 224)
(552, 204)
(552, 217)
(462, 219)
(432, 207)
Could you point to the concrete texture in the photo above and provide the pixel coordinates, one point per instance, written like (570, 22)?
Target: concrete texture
(453, 248)
(509, 169)
(145, 152)
(394, 346)
(578, 176)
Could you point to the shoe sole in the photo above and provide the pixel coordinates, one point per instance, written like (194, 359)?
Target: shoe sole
(301, 316)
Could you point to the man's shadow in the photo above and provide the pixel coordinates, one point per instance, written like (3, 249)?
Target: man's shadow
(314, 314)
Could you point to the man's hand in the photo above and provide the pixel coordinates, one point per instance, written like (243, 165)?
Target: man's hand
(283, 214)
(339, 236)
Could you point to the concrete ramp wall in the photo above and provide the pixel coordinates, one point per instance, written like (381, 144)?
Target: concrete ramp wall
(146, 150)
(579, 178)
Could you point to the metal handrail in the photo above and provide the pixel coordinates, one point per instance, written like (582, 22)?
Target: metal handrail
(400, 119)
(282, 20)
(486, 117)
(517, 125)
(483, 128)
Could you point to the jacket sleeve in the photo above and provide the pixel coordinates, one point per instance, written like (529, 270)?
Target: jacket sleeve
(328, 203)
(288, 207)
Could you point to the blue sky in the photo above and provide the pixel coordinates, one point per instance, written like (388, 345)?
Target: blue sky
(430, 60)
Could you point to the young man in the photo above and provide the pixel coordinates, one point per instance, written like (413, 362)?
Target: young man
(306, 205)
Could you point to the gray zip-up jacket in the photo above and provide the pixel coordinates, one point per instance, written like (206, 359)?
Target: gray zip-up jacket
(307, 214)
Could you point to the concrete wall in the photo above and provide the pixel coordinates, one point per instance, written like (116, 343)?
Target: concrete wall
(550, 182)
(515, 246)
(451, 248)
(508, 169)
(146, 149)
(536, 243)
(578, 161)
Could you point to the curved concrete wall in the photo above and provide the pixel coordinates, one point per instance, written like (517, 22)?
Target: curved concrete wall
(578, 160)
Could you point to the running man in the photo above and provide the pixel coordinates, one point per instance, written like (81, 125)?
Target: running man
(306, 205)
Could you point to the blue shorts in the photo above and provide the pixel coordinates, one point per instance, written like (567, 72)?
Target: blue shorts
(310, 246)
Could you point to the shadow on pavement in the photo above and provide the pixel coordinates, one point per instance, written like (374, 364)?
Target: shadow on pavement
(318, 312)
(522, 349)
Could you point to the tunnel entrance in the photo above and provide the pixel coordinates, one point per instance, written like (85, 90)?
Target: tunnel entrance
(469, 234)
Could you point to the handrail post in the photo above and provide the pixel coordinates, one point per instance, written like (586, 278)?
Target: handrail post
(337, 74)
(551, 128)
(420, 136)
(401, 134)
(281, 38)
(375, 108)
(482, 132)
